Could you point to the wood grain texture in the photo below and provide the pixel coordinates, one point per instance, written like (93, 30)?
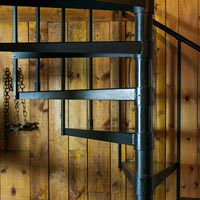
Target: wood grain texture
(188, 27)
(91, 172)
(171, 94)
(77, 78)
(198, 104)
(58, 145)
(15, 175)
(159, 74)
(99, 152)
(39, 112)
(28, 14)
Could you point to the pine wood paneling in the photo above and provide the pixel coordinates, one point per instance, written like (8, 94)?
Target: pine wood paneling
(39, 138)
(53, 14)
(160, 88)
(188, 27)
(45, 165)
(99, 152)
(15, 175)
(77, 75)
(58, 145)
(198, 24)
(171, 94)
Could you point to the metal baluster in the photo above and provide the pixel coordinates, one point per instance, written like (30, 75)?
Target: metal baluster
(15, 61)
(37, 77)
(90, 69)
(63, 72)
(120, 86)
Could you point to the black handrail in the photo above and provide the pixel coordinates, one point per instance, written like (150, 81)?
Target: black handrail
(176, 35)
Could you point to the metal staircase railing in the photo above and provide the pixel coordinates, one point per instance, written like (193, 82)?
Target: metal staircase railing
(142, 174)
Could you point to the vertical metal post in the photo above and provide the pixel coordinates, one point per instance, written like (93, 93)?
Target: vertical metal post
(15, 61)
(63, 72)
(120, 86)
(37, 78)
(90, 124)
(143, 107)
(178, 119)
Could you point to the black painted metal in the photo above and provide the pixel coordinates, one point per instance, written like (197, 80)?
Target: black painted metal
(176, 35)
(37, 73)
(158, 178)
(106, 135)
(143, 108)
(97, 94)
(84, 4)
(63, 71)
(178, 176)
(15, 61)
(143, 178)
(120, 86)
(90, 125)
(129, 171)
(73, 49)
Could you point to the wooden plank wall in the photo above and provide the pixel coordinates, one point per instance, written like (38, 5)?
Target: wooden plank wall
(43, 165)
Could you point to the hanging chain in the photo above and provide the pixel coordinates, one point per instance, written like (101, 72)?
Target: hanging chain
(7, 88)
(26, 126)
(21, 86)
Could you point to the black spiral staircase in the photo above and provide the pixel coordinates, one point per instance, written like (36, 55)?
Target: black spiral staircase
(142, 173)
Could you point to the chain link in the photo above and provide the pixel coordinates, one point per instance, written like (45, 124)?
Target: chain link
(26, 126)
(7, 88)
(21, 87)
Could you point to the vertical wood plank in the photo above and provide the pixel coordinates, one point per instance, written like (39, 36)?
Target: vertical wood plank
(77, 78)
(160, 88)
(117, 177)
(188, 27)
(15, 175)
(99, 152)
(58, 145)
(39, 112)
(198, 103)
(171, 94)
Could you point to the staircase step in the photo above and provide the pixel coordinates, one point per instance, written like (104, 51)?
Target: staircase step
(160, 171)
(73, 49)
(96, 94)
(109, 135)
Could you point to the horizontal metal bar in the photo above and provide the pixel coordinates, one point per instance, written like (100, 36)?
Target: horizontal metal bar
(96, 94)
(84, 4)
(176, 35)
(108, 136)
(73, 49)
(158, 178)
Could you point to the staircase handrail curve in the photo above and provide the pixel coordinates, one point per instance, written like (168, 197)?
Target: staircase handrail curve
(177, 35)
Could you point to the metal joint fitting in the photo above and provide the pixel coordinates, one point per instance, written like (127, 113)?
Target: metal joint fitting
(144, 96)
(144, 141)
(147, 50)
(143, 186)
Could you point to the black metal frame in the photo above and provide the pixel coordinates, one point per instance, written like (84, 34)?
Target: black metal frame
(144, 180)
